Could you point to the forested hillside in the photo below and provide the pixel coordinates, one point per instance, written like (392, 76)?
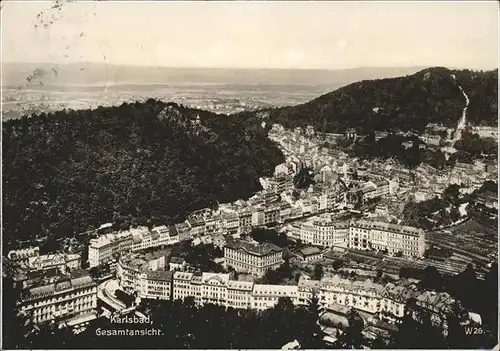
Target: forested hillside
(429, 96)
(143, 163)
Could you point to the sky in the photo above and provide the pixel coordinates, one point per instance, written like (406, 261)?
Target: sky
(306, 35)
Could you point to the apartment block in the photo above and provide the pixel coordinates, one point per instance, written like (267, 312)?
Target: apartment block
(67, 297)
(251, 258)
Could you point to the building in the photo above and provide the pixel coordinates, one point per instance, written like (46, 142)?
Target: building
(310, 254)
(272, 214)
(102, 249)
(214, 288)
(325, 233)
(23, 255)
(197, 226)
(245, 219)
(131, 266)
(485, 131)
(182, 286)
(431, 139)
(155, 284)
(183, 230)
(365, 235)
(488, 199)
(257, 217)
(253, 259)
(382, 188)
(147, 275)
(62, 262)
(239, 294)
(231, 222)
(177, 264)
(266, 296)
(69, 296)
(158, 236)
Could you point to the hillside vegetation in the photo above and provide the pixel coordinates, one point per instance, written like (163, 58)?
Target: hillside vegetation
(407, 103)
(143, 163)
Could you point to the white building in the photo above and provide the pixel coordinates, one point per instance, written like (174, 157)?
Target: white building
(102, 249)
(325, 233)
(23, 255)
(486, 131)
(146, 274)
(253, 259)
(239, 294)
(365, 235)
(68, 297)
(395, 238)
(266, 296)
(61, 261)
(158, 236)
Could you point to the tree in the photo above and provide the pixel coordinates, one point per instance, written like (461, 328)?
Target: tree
(312, 335)
(452, 194)
(156, 169)
(318, 272)
(304, 178)
(352, 338)
(431, 279)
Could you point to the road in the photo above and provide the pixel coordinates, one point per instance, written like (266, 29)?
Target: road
(463, 121)
(105, 292)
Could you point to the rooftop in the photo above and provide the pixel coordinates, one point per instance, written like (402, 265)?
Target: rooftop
(395, 228)
(240, 285)
(254, 249)
(52, 259)
(309, 250)
(76, 280)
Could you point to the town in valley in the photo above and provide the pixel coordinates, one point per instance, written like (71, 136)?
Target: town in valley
(352, 232)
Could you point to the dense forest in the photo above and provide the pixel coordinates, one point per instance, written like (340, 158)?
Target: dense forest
(406, 103)
(135, 164)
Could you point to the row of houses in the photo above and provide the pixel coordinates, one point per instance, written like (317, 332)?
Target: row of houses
(223, 289)
(231, 219)
(362, 235)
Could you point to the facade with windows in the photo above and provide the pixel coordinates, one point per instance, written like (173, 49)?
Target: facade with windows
(365, 235)
(251, 258)
(65, 298)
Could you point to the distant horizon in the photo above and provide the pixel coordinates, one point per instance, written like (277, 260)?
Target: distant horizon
(245, 68)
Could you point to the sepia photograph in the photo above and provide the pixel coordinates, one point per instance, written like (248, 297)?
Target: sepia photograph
(276, 175)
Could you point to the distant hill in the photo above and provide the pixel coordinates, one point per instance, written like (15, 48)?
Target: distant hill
(431, 95)
(16, 74)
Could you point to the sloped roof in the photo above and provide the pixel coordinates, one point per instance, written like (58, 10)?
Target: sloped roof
(253, 249)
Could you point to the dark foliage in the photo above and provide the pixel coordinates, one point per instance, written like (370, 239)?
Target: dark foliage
(304, 178)
(406, 103)
(472, 146)
(318, 272)
(278, 275)
(127, 299)
(70, 171)
(392, 146)
(264, 235)
(201, 257)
